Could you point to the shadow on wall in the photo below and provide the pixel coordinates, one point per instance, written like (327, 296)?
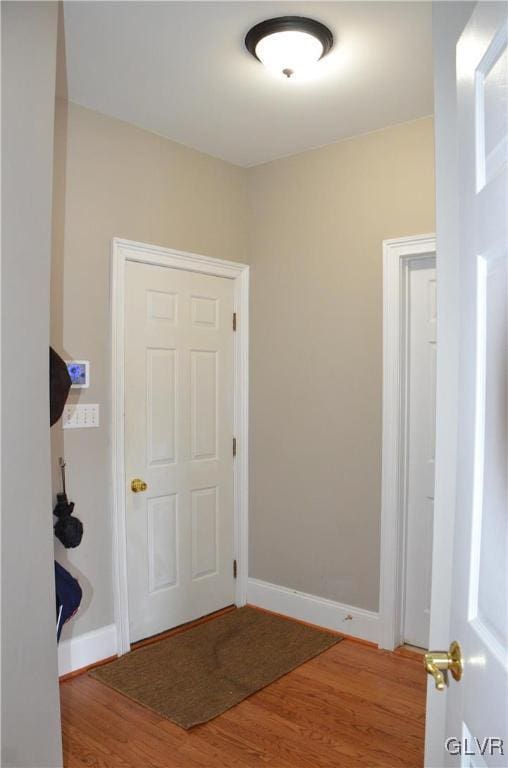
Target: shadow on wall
(57, 297)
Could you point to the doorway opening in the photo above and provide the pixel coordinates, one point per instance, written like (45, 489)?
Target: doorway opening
(409, 354)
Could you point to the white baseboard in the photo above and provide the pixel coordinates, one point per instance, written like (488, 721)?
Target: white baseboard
(83, 650)
(315, 610)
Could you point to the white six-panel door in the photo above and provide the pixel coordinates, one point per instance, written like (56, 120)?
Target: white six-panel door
(421, 428)
(477, 706)
(179, 391)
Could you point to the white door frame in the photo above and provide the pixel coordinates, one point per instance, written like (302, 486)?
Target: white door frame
(122, 252)
(398, 254)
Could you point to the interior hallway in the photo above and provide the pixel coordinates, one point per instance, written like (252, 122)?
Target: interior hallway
(352, 706)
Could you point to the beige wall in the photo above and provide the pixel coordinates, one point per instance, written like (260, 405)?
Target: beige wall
(116, 180)
(317, 221)
(311, 226)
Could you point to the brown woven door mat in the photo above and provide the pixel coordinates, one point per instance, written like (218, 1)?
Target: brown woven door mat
(196, 675)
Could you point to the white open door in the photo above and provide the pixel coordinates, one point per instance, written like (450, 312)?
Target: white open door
(477, 704)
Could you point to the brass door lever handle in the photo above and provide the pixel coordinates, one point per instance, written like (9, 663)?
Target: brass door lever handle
(437, 663)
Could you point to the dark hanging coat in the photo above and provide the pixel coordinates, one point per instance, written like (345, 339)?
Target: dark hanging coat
(68, 597)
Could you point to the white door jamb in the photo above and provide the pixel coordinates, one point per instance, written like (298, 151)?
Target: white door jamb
(397, 256)
(127, 250)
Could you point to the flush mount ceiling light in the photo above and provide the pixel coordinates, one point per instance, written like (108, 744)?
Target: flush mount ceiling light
(289, 44)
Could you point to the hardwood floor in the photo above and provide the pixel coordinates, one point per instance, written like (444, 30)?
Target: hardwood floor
(352, 706)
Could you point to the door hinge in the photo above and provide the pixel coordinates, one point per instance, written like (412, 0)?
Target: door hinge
(234, 446)
(235, 569)
(234, 321)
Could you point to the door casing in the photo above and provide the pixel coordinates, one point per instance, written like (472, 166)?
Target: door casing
(122, 252)
(397, 257)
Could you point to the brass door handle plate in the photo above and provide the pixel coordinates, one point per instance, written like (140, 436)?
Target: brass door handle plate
(437, 664)
(138, 485)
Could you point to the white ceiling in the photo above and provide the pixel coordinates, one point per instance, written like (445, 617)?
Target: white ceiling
(180, 69)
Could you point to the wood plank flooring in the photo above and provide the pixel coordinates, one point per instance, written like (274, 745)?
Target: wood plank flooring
(350, 707)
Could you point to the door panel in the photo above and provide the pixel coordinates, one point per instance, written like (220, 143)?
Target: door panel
(204, 374)
(204, 532)
(489, 573)
(178, 438)
(162, 542)
(161, 406)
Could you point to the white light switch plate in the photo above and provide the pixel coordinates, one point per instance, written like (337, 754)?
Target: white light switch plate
(79, 416)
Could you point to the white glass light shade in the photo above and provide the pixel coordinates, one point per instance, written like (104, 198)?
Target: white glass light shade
(289, 52)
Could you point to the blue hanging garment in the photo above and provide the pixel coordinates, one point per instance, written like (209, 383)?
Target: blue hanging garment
(68, 597)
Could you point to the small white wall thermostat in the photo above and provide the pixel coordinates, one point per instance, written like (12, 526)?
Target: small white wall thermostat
(79, 371)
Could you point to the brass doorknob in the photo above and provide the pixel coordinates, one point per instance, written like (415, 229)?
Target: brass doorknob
(138, 485)
(437, 663)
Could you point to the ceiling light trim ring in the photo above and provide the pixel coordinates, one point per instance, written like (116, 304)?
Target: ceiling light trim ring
(288, 24)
